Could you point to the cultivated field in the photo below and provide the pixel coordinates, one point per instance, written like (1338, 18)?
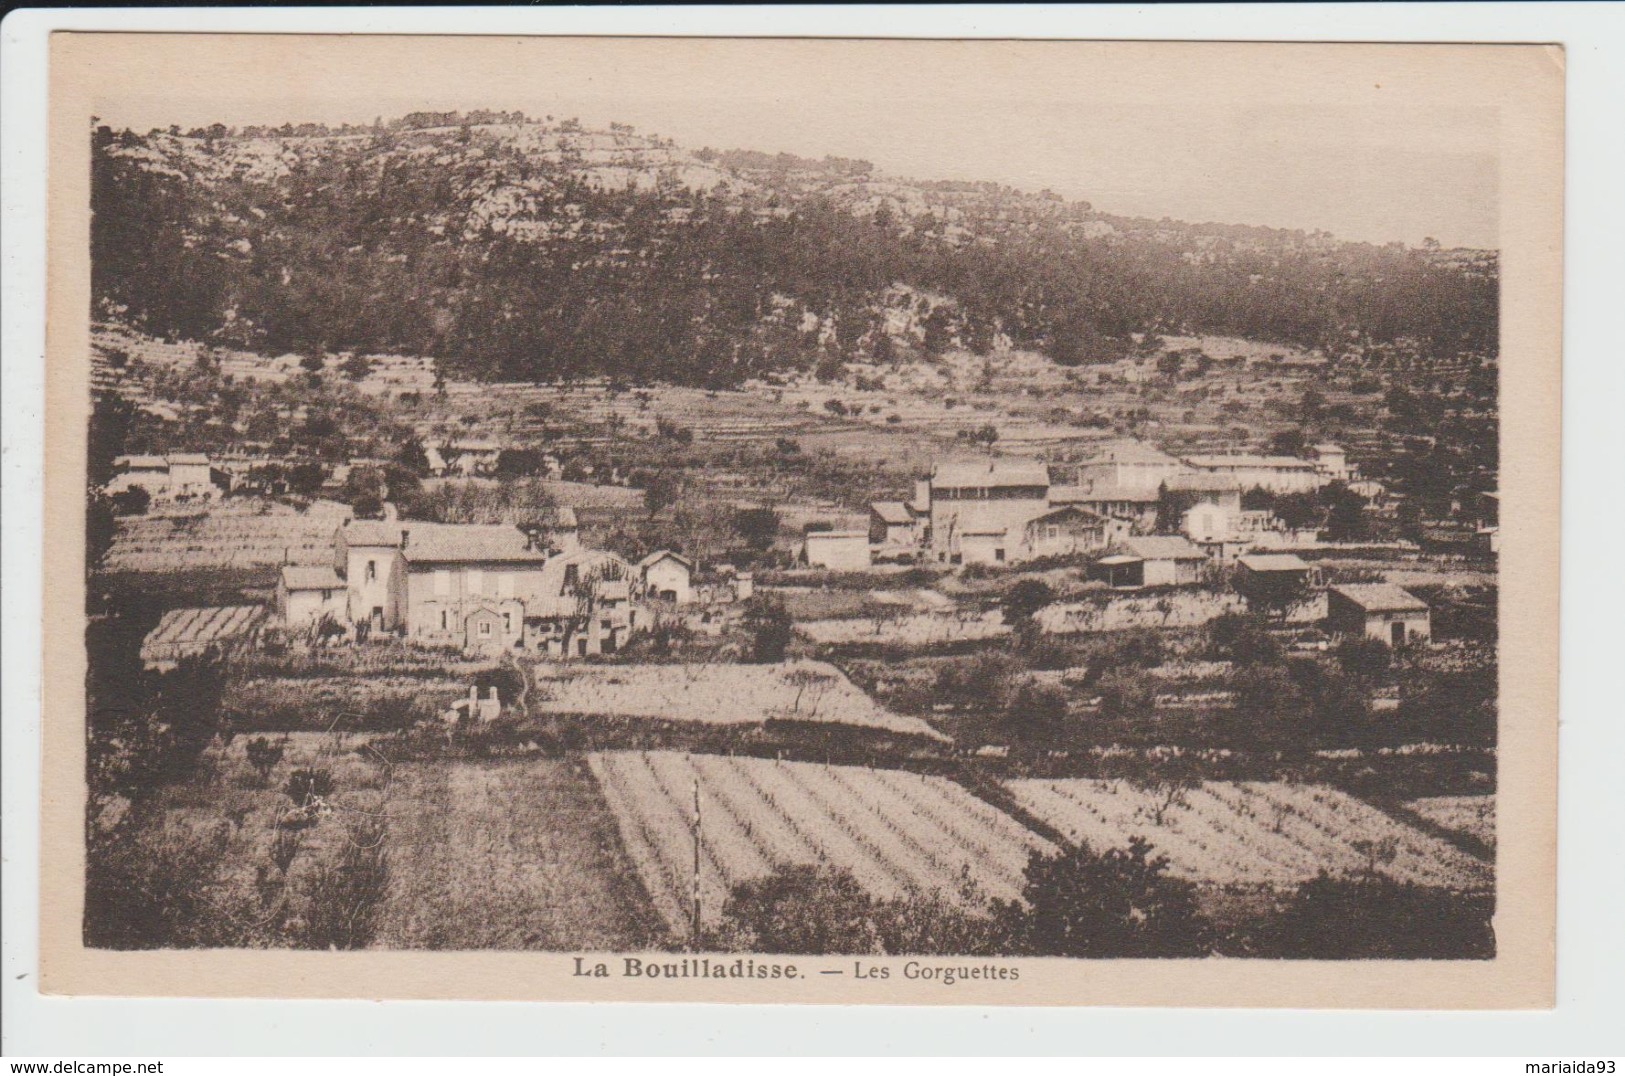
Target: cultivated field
(717, 695)
(507, 855)
(1472, 815)
(234, 534)
(1251, 833)
(185, 632)
(897, 833)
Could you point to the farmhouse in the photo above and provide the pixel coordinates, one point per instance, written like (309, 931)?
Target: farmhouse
(1131, 465)
(1151, 561)
(1332, 461)
(1183, 491)
(1378, 611)
(985, 502)
(305, 594)
(844, 551)
(1278, 474)
(667, 576)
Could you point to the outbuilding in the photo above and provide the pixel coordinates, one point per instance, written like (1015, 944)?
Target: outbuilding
(1379, 611)
(842, 551)
(667, 576)
(307, 593)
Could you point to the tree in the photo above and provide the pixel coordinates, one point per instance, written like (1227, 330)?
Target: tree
(1025, 599)
(660, 490)
(770, 628)
(1243, 639)
(263, 755)
(1116, 903)
(357, 367)
(1037, 714)
(307, 479)
(759, 527)
(1289, 442)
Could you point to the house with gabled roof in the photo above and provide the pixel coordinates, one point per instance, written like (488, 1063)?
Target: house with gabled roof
(1381, 611)
(667, 576)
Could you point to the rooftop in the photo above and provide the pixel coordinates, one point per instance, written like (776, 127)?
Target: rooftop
(1273, 463)
(1273, 562)
(310, 577)
(452, 543)
(665, 554)
(1202, 483)
(984, 474)
(1381, 598)
(1100, 493)
(895, 512)
(1132, 452)
(189, 457)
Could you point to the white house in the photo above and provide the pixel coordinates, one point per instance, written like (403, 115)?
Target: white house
(307, 593)
(668, 576)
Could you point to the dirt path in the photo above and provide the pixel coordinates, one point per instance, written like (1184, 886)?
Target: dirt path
(507, 855)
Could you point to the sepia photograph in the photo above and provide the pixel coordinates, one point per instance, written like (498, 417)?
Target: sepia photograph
(919, 515)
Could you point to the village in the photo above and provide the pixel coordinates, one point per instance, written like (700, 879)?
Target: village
(531, 537)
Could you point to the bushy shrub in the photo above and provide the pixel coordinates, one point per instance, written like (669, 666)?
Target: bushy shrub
(1117, 903)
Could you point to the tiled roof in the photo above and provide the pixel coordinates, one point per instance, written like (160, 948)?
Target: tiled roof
(1268, 463)
(189, 457)
(310, 577)
(665, 554)
(1131, 452)
(372, 532)
(1163, 547)
(892, 512)
(1101, 493)
(1202, 483)
(466, 543)
(984, 474)
(142, 463)
(1273, 562)
(1381, 598)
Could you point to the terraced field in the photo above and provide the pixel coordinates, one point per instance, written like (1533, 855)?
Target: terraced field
(897, 833)
(1252, 833)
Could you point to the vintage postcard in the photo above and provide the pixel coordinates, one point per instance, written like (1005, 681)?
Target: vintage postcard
(830, 521)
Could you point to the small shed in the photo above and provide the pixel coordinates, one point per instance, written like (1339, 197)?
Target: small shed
(892, 523)
(667, 576)
(1274, 579)
(1379, 611)
(1152, 561)
(307, 592)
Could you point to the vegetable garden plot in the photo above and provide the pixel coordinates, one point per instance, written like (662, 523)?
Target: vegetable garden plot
(718, 695)
(897, 833)
(1251, 833)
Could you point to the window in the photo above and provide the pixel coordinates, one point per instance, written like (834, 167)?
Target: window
(507, 623)
(485, 627)
(474, 579)
(372, 570)
(442, 582)
(443, 620)
(998, 554)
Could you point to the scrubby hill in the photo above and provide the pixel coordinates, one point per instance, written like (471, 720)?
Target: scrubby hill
(526, 249)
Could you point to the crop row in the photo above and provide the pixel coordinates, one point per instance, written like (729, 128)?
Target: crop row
(898, 834)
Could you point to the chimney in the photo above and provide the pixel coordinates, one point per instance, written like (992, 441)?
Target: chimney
(493, 694)
(406, 536)
(473, 693)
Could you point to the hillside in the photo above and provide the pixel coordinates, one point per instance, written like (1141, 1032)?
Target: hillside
(513, 248)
